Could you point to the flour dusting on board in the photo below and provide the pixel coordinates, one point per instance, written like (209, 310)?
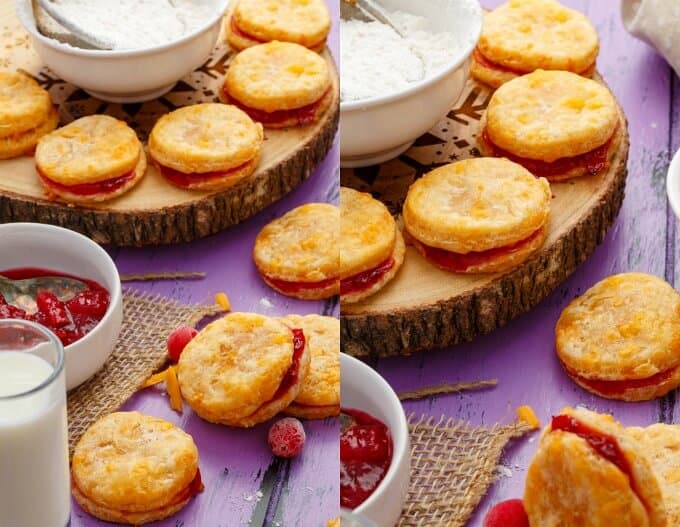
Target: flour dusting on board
(137, 24)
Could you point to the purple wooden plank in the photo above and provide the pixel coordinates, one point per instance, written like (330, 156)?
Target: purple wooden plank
(521, 355)
(310, 492)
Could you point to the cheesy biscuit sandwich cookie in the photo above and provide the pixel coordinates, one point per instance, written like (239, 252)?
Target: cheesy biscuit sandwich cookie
(589, 471)
(253, 22)
(621, 338)
(298, 254)
(94, 158)
(279, 84)
(478, 215)
(243, 369)
(26, 114)
(556, 124)
(371, 246)
(319, 396)
(133, 469)
(521, 36)
(208, 146)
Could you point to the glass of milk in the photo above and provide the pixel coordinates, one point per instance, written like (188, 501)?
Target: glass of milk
(34, 466)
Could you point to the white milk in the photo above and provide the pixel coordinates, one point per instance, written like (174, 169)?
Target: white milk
(34, 474)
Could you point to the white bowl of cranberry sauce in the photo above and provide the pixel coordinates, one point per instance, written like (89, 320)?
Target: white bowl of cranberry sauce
(375, 455)
(88, 324)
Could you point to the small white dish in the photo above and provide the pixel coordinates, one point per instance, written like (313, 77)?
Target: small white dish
(364, 389)
(54, 248)
(380, 128)
(673, 184)
(125, 75)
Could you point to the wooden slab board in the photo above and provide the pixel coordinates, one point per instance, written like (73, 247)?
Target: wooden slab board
(155, 212)
(425, 307)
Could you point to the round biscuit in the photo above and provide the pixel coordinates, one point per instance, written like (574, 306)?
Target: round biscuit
(230, 372)
(205, 137)
(239, 42)
(277, 76)
(88, 150)
(476, 205)
(526, 35)
(304, 22)
(368, 232)
(569, 485)
(397, 255)
(220, 183)
(24, 105)
(301, 245)
(24, 142)
(548, 115)
(321, 387)
(311, 293)
(625, 327)
(131, 462)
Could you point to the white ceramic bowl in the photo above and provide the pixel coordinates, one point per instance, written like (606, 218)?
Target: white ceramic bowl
(380, 128)
(53, 248)
(364, 389)
(125, 75)
(673, 184)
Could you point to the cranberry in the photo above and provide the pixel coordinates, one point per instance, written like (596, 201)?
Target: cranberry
(178, 340)
(365, 443)
(92, 303)
(10, 311)
(286, 437)
(54, 309)
(508, 513)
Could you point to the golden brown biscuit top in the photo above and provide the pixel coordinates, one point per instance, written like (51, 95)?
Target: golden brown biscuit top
(321, 387)
(302, 245)
(205, 138)
(236, 364)
(367, 232)
(277, 76)
(305, 22)
(23, 103)
(130, 461)
(548, 115)
(88, 150)
(625, 327)
(530, 34)
(476, 204)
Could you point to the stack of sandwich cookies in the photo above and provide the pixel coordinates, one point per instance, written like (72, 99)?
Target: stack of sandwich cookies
(208, 146)
(319, 396)
(589, 471)
(253, 22)
(26, 114)
(477, 215)
(521, 36)
(371, 246)
(279, 84)
(556, 124)
(621, 339)
(133, 469)
(298, 254)
(243, 369)
(95, 158)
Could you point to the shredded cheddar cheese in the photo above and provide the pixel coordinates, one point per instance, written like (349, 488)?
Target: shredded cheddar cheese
(222, 300)
(527, 415)
(157, 378)
(172, 387)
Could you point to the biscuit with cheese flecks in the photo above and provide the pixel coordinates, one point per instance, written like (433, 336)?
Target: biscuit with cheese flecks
(133, 469)
(253, 22)
(243, 369)
(298, 254)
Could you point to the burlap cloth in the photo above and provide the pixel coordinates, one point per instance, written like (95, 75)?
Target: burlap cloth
(452, 466)
(139, 352)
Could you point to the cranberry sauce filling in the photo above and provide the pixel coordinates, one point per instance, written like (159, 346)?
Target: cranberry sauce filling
(462, 262)
(71, 320)
(366, 279)
(296, 287)
(365, 456)
(304, 115)
(90, 189)
(481, 58)
(594, 161)
(619, 387)
(184, 180)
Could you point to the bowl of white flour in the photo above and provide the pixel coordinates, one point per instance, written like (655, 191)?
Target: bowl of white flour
(395, 87)
(151, 44)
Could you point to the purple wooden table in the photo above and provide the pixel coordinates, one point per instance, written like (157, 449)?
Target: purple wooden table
(244, 484)
(521, 355)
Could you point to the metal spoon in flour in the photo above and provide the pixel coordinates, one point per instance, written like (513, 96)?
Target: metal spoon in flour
(367, 11)
(81, 37)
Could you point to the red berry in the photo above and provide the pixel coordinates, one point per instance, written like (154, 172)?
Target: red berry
(286, 437)
(365, 443)
(92, 303)
(53, 309)
(508, 513)
(178, 340)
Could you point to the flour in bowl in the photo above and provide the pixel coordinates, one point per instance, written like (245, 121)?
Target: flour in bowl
(377, 61)
(137, 24)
